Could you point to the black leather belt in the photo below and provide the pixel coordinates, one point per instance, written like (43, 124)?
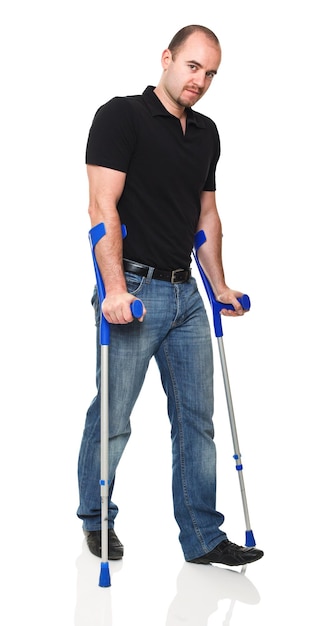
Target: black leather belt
(171, 276)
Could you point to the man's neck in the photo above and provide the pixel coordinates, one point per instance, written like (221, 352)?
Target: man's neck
(170, 105)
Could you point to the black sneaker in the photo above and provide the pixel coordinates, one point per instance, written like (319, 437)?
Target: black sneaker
(229, 553)
(115, 547)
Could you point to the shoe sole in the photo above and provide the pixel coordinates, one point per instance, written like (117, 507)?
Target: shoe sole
(205, 561)
(115, 556)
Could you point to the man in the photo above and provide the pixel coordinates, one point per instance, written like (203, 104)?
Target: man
(151, 164)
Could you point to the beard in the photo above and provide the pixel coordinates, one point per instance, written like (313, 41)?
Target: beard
(188, 99)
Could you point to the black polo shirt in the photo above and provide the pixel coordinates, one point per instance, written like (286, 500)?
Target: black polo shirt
(166, 173)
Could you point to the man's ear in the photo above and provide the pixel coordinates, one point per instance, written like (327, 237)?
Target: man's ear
(166, 58)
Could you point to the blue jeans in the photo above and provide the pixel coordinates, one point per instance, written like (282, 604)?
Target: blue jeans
(176, 332)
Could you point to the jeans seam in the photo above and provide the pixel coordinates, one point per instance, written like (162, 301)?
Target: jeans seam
(182, 455)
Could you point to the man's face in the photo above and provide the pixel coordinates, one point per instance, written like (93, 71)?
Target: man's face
(189, 74)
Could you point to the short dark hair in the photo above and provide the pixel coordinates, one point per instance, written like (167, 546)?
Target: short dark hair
(184, 33)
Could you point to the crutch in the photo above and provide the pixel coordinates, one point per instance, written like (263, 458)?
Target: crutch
(95, 234)
(217, 306)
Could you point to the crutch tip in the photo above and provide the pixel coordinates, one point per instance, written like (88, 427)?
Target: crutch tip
(249, 539)
(104, 580)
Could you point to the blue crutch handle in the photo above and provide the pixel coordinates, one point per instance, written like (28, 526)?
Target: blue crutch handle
(217, 306)
(136, 307)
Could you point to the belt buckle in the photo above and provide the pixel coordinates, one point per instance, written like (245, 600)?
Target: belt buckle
(174, 275)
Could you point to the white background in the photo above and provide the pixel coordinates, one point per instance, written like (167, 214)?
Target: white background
(273, 102)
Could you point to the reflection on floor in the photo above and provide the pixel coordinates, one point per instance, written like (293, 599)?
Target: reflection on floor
(199, 591)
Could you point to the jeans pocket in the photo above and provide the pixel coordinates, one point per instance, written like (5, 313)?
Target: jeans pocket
(134, 286)
(135, 283)
(96, 306)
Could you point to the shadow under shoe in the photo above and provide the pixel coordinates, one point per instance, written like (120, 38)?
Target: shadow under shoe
(115, 547)
(229, 553)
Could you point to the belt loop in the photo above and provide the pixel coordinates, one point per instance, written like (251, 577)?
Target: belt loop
(148, 277)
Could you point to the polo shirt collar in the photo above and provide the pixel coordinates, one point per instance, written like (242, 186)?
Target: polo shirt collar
(157, 108)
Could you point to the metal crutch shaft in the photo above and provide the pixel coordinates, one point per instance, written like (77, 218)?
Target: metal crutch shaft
(95, 234)
(200, 238)
(237, 454)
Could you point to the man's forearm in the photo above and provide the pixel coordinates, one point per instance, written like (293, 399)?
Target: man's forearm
(210, 253)
(109, 251)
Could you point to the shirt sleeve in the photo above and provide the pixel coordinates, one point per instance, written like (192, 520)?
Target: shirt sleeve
(111, 138)
(210, 184)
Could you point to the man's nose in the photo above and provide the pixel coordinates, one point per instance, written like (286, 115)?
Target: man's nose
(200, 79)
